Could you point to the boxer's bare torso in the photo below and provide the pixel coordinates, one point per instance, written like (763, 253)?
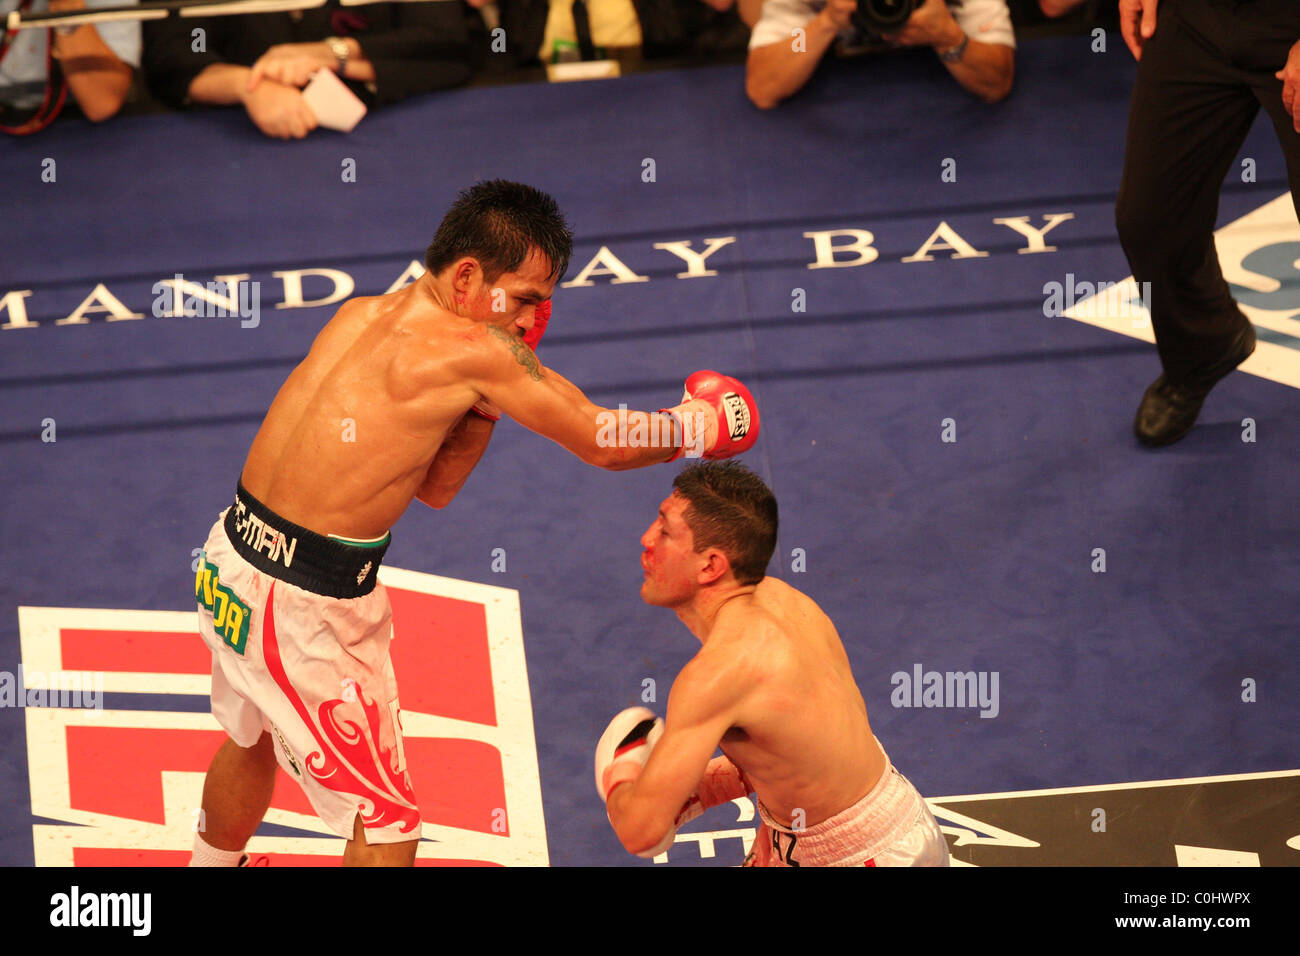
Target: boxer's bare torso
(375, 416)
(349, 439)
(799, 727)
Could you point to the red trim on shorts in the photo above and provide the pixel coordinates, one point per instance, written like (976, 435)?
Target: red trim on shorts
(393, 799)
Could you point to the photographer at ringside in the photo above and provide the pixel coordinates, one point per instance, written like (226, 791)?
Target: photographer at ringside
(973, 38)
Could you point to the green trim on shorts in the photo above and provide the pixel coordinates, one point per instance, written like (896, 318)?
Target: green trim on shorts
(363, 542)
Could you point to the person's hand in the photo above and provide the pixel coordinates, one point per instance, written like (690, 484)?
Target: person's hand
(837, 13)
(279, 110)
(1137, 23)
(1290, 77)
(930, 24)
(291, 64)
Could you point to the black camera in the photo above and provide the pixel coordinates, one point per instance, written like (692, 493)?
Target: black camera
(883, 16)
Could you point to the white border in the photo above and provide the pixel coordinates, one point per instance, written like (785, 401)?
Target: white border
(46, 728)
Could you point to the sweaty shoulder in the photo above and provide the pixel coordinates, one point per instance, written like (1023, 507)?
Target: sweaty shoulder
(340, 341)
(754, 639)
(476, 349)
(720, 675)
(773, 589)
(352, 317)
(502, 355)
(428, 343)
(782, 600)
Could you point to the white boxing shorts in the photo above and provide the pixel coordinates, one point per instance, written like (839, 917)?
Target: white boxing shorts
(299, 629)
(890, 826)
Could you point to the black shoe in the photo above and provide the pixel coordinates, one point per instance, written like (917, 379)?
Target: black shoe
(1169, 411)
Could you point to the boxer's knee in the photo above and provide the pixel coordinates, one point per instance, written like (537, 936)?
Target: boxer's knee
(263, 751)
(231, 758)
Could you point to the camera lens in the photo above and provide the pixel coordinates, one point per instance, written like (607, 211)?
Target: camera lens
(880, 15)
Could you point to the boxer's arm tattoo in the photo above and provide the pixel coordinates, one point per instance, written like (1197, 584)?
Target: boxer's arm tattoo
(522, 353)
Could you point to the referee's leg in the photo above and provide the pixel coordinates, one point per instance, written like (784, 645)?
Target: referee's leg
(1191, 109)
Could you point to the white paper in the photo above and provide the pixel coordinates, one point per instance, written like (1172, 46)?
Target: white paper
(335, 106)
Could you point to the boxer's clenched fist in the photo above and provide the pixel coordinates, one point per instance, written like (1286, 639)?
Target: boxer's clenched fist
(722, 781)
(625, 747)
(718, 416)
(622, 754)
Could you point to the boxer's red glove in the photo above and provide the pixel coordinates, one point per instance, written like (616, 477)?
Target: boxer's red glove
(718, 417)
(722, 781)
(540, 318)
(486, 409)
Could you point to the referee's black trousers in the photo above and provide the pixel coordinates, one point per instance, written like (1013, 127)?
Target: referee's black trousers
(1202, 78)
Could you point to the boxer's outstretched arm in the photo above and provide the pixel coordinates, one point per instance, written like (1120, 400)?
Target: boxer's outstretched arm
(461, 450)
(509, 375)
(701, 708)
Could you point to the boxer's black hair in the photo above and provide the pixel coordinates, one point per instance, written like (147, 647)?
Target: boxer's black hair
(730, 508)
(497, 222)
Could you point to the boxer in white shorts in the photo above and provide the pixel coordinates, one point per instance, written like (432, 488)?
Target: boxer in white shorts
(396, 401)
(890, 826)
(301, 653)
(771, 686)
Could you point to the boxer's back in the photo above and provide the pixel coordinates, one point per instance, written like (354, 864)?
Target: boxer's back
(802, 735)
(351, 433)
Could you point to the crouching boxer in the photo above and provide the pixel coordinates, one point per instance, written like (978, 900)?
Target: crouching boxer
(395, 402)
(771, 686)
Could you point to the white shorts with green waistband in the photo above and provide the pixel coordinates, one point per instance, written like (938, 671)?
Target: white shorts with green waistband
(315, 673)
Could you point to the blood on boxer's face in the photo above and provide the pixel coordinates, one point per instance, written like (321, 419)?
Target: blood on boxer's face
(510, 300)
(668, 557)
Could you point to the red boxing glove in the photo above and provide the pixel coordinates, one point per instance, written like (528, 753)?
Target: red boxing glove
(718, 417)
(722, 781)
(485, 409)
(540, 318)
